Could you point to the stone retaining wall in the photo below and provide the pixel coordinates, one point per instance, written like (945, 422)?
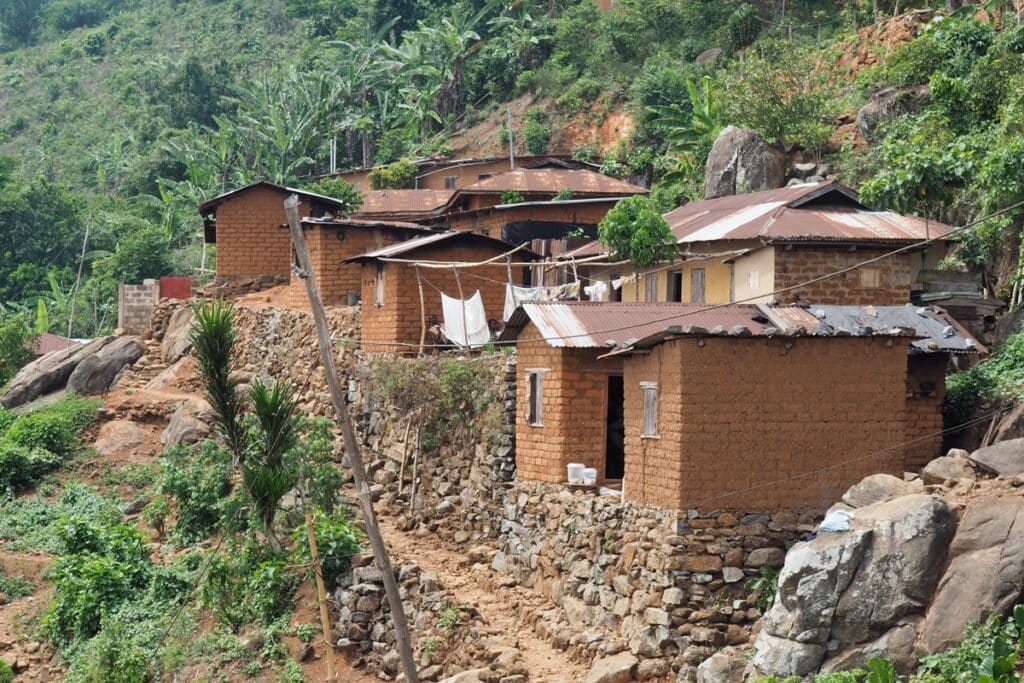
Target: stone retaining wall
(669, 585)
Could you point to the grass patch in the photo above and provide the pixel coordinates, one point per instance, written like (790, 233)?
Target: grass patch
(15, 587)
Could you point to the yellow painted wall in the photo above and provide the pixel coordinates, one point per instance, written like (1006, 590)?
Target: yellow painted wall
(717, 281)
(761, 261)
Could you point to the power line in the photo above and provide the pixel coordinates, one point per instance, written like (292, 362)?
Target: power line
(751, 299)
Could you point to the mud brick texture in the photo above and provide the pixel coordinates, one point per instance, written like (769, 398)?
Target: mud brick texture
(396, 324)
(886, 282)
(251, 235)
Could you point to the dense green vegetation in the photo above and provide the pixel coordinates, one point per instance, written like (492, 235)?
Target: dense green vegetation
(120, 115)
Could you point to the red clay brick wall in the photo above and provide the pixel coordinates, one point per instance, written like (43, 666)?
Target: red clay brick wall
(574, 409)
(399, 319)
(336, 279)
(926, 392)
(737, 415)
(800, 264)
(250, 239)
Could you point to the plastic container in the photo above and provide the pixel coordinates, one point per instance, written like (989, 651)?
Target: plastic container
(589, 476)
(575, 472)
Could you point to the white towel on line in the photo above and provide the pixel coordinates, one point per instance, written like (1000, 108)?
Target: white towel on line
(475, 320)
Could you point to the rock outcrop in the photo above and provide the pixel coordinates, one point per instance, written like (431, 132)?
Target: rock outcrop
(741, 161)
(176, 341)
(88, 369)
(1005, 458)
(888, 104)
(879, 488)
(844, 595)
(97, 372)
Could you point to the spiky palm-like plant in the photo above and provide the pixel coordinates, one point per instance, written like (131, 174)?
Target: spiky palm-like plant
(213, 337)
(270, 469)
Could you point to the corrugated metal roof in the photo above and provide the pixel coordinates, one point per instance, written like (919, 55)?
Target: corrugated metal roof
(210, 204)
(809, 212)
(409, 246)
(405, 203)
(48, 343)
(553, 180)
(347, 222)
(600, 325)
(935, 329)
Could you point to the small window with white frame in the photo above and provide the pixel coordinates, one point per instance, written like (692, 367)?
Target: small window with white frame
(535, 397)
(650, 425)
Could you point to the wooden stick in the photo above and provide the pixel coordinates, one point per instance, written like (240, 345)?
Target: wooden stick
(423, 311)
(339, 399)
(321, 592)
(405, 456)
(415, 469)
(462, 304)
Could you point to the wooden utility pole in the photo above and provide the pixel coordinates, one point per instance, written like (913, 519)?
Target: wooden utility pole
(355, 458)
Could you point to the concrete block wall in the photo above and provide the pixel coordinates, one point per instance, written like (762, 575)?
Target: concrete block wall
(751, 418)
(135, 305)
(800, 264)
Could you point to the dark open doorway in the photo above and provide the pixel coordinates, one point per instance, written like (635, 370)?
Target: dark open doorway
(615, 448)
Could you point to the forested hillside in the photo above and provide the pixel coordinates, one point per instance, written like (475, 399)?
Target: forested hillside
(118, 116)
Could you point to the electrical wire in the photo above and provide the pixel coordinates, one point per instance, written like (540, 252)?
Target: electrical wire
(751, 299)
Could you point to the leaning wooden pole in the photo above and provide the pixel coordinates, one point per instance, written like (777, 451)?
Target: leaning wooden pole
(355, 458)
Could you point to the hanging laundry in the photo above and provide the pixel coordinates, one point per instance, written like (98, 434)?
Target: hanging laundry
(617, 283)
(597, 291)
(472, 312)
(514, 296)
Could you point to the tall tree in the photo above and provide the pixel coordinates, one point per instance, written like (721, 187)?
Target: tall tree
(18, 19)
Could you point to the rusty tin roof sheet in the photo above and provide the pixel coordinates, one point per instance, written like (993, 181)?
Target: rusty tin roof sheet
(405, 203)
(403, 249)
(825, 211)
(211, 204)
(348, 222)
(553, 180)
(603, 325)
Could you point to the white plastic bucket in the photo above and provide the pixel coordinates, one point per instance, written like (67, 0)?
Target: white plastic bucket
(589, 476)
(575, 472)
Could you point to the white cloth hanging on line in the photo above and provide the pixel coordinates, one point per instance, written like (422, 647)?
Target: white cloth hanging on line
(597, 291)
(475, 320)
(518, 295)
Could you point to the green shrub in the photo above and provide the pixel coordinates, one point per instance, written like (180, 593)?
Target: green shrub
(1000, 376)
(337, 541)
(248, 583)
(511, 197)
(912, 63)
(582, 92)
(15, 587)
(198, 480)
(6, 672)
(32, 524)
(397, 175)
(57, 428)
(7, 418)
(338, 189)
(103, 567)
(15, 346)
(536, 130)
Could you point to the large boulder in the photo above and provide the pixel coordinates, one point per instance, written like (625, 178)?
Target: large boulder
(97, 372)
(49, 373)
(720, 668)
(1005, 458)
(846, 589)
(614, 669)
(946, 468)
(119, 436)
(985, 575)
(177, 339)
(900, 567)
(742, 161)
(189, 424)
(796, 628)
(888, 104)
(896, 645)
(878, 488)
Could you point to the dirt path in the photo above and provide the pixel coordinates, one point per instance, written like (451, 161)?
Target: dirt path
(506, 609)
(27, 656)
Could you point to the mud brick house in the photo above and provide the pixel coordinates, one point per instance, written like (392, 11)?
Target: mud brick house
(744, 247)
(701, 406)
(333, 240)
(248, 227)
(401, 303)
(455, 174)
